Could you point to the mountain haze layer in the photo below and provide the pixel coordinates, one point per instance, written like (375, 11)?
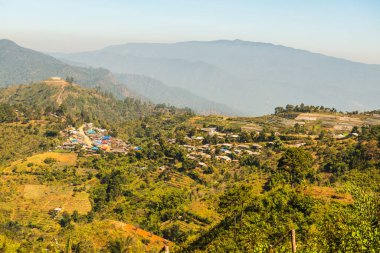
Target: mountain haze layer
(250, 77)
(21, 65)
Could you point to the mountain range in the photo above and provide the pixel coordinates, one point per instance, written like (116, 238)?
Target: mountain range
(20, 65)
(216, 77)
(250, 77)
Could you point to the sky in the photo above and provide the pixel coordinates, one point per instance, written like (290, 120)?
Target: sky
(347, 29)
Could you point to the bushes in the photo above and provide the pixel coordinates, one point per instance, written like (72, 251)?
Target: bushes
(249, 160)
(50, 160)
(296, 165)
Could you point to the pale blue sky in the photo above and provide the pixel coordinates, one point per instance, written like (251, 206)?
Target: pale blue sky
(343, 28)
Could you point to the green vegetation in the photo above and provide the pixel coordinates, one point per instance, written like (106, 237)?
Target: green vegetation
(195, 184)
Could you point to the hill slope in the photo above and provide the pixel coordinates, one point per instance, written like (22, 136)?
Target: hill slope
(252, 77)
(67, 99)
(159, 93)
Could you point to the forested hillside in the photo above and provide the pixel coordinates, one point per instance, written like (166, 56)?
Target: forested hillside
(84, 172)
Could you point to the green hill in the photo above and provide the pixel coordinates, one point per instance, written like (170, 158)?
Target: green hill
(64, 99)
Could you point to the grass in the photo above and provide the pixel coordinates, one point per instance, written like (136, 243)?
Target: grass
(202, 209)
(32, 202)
(328, 194)
(61, 159)
(100, 232)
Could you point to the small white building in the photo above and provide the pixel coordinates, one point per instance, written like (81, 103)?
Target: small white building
(209, 130)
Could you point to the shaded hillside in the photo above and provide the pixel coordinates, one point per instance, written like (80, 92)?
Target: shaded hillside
(252, 77)
(159, 93)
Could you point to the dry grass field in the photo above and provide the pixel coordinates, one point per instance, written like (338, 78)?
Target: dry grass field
(61, 159)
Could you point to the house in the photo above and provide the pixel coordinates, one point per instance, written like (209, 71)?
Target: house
(191, 157)
(202, 164)
(203, 148)
(204, 155)
(226, 145)
(91, 131)
(189, 147)
(106, 137)
(237, 151)
(242, 146)
(226, 151)
(297, 145)
(223, 158)
(105, 147)
(249, 152)
(209, 130)
(172, 141)
(162, 168)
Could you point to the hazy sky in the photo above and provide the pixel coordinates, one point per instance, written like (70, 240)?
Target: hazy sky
(343, 28)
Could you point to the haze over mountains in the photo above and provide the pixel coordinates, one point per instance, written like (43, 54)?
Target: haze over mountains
(20, 65)
(250, 77)
(227, 77)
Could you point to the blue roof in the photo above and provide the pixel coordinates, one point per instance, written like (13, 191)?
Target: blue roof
(107, 137)
(95, 148)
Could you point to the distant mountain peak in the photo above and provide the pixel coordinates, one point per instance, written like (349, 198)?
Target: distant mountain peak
(7, 42)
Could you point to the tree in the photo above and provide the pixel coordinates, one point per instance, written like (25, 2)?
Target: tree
(296, 164)
(65, 220)
(70, 79)
(121, 245)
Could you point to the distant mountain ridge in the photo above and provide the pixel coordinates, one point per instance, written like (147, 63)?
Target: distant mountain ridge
(248, 76)
(20, 65)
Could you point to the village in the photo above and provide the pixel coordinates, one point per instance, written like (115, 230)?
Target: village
(207, 143)
(228, 146)
(92, 140)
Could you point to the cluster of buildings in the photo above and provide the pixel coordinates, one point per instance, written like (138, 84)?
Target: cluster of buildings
(92, 139)
(224, 152)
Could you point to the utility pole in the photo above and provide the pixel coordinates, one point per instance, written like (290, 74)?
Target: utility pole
(294, 246)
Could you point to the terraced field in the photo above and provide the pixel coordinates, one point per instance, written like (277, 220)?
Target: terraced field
(177, 179)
